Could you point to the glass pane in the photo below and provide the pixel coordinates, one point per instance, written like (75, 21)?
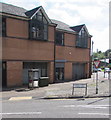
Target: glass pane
(43, 74)
(39, 17)
(39, 13)
(34, 17)
(33, 29)
(36, 75)
(44, 20)
(59, 38)
(45, 35)
(45, 27)
(37, 32)
(30, 75)
(3, 26)
(33, 32)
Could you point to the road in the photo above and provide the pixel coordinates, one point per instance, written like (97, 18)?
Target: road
(56, 108)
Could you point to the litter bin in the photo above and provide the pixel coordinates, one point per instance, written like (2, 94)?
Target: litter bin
(43, 81)
(33, 75)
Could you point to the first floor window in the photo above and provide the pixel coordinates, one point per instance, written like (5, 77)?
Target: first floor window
(3, 26)
(82, 39)
(39, 27)
(59, 38)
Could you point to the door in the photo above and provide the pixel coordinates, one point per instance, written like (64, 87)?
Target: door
(4, 75)
(25, 76)
(59, 74)
(78, 71)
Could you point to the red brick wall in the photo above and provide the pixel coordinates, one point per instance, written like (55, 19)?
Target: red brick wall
(17, 28)
(68, 71)
(51, 33)
(18, 49)
(22, 49)
(72, 54)
(69, 39)
(14, 73)
(51, 72)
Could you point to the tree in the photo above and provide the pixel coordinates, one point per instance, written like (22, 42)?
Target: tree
(107, 52)
(98, 55)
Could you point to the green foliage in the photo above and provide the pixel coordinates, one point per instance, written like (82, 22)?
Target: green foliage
(107, 52)
(101, 55)
(98, 55)
(109, 65)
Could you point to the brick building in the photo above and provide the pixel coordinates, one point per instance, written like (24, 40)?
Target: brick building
(30, 39)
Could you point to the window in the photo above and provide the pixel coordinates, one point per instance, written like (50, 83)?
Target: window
(3, 26)
(44, 72)
(39, 27)
(59, 38)
(82, 39)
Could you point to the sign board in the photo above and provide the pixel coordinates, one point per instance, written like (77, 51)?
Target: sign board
(80, 85)
(96, 63)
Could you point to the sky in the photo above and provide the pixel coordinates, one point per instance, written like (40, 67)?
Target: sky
(93, 13)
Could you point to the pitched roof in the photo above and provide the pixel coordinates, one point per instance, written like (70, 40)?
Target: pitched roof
(11, 9)
(62, 26)
(19, 11)
(14, 10)
(31, 12)
(77, 28)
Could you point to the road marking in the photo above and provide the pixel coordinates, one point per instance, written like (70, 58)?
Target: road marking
(22, 113)
(104, 114)
(59, 99)
(89, 106)
(20, 98)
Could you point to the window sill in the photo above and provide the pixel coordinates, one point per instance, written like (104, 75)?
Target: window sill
(59, 45)
(81, 47)
(36, 39)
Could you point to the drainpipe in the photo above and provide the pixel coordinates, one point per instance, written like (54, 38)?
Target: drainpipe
(54, 54)
(92, 58)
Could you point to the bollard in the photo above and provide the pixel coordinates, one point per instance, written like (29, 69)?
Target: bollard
(109, 76)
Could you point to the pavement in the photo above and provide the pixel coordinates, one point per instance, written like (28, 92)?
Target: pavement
(61, 90)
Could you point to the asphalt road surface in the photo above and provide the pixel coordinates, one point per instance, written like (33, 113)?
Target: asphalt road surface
(56, 108)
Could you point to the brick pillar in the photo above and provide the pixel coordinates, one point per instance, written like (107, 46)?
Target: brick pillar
(51, 72)
(14, 73)
(68, 71)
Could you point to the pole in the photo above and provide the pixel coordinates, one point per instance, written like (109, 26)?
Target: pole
(104, 66)
(97, 82)
(92, 64)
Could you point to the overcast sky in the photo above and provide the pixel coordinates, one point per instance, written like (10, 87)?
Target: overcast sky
(93, 13)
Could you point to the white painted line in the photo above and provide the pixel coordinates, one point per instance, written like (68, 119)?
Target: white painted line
(22, 113)
(89, 106)
(104, 114)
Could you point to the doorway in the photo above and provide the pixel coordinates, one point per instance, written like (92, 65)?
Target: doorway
(4, 75)
(59, 74)
(78, 71)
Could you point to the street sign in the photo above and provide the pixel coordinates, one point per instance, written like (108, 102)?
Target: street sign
(79, 85)
(96, 63)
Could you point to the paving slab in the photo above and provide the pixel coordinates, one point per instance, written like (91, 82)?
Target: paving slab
(63, 90)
